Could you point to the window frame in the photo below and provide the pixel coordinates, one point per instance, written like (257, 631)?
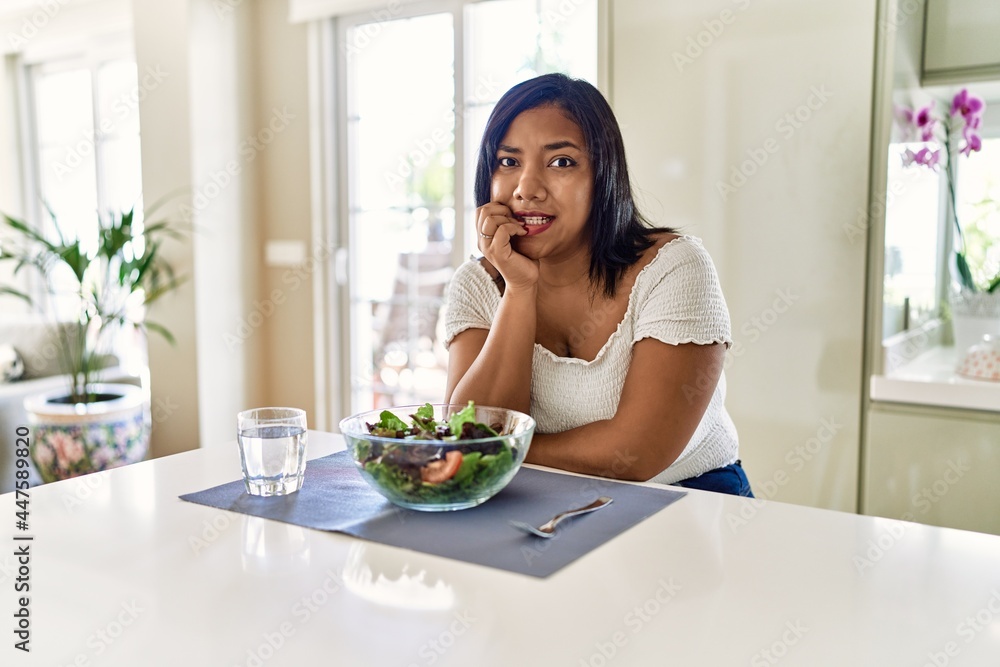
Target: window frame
(90, 55)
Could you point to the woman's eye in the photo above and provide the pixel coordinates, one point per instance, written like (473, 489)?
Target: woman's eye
(563, 162)
(508, 162)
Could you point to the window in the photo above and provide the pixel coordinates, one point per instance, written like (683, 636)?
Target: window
(418, 91)
(979, 196)
(919, 231)
(84, 122)
(913, 244)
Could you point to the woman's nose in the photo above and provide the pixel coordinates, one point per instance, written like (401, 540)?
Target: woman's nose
(530, 186)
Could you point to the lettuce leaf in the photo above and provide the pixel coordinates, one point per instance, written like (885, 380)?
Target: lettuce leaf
(390, 422)
(466, 414)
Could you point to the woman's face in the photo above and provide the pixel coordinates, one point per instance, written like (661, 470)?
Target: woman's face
(545, 178)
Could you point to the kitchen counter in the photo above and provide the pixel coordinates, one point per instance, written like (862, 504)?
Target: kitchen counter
(930, 379)
(124, 573)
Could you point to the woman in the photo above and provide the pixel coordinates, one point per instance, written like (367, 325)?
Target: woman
(611, 334)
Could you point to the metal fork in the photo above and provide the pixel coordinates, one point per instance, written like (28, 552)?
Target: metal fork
(549, 529)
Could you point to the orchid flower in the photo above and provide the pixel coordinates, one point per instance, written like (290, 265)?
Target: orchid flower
(943, 151)
(969, 106)
(928, 158)
(925, 123)
(973, 143)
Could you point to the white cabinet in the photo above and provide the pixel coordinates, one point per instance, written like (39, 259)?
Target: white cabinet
(962, 41)
(938, 467)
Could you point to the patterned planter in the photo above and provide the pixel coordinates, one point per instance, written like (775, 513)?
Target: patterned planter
(71, 439)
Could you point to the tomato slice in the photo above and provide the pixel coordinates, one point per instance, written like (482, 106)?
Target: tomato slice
(441, 470)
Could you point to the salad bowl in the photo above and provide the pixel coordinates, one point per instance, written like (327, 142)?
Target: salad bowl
(438, 457)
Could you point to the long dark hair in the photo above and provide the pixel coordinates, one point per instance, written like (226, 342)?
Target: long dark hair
(618, 232)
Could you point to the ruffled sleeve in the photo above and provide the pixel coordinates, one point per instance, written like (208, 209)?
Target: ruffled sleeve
(683, 301)
(471, 300)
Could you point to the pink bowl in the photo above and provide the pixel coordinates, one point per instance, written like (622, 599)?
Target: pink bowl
(982, 361)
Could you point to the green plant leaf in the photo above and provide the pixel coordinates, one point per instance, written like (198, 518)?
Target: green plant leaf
(24, 229)
(162, 330)
(964, 274)
(106, 276)
(55, 222)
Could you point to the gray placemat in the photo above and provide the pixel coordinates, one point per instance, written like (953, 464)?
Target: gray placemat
(335, 497)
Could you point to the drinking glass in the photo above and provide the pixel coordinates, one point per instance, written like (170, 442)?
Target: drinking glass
(272, 450)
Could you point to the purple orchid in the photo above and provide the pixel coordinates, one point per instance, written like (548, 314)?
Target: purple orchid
(945, 151)
(928, 158)
(973, 143)
(925, 122)
(924, 157)
(969, 106)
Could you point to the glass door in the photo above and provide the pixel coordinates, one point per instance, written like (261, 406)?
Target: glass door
(401, 198)
(417, 92)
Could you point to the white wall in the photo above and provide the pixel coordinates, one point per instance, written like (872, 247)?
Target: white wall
(283, 200)
(794, 280)
(161, 43)
(225, 184)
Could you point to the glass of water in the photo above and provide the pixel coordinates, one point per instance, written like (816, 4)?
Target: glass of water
(272, 450)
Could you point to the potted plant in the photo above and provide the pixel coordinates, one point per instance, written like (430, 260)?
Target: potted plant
(107, 280)
(947, 131)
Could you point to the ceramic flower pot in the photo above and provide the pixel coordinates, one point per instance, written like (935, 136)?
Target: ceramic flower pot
(71, 439)
(974, 315)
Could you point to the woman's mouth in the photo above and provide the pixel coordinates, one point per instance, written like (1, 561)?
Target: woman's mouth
(535, 223)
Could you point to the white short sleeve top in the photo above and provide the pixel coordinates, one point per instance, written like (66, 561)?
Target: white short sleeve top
(675, 299)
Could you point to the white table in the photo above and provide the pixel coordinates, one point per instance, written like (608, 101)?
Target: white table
(125, 573)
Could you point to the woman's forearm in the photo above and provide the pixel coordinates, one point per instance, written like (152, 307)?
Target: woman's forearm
(607, 448)
(501, 374)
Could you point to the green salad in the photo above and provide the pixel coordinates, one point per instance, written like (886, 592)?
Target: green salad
(450, 469)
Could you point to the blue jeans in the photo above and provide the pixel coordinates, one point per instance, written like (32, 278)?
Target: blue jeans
(728, 479)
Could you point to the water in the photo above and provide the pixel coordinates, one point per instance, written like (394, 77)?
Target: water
(273, 458)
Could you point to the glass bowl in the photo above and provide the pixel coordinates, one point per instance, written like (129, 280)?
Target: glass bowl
(441, 474)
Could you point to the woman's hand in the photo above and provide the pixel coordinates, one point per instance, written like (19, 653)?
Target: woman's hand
(497, 226)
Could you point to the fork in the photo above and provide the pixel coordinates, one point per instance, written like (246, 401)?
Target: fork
(548, 529)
